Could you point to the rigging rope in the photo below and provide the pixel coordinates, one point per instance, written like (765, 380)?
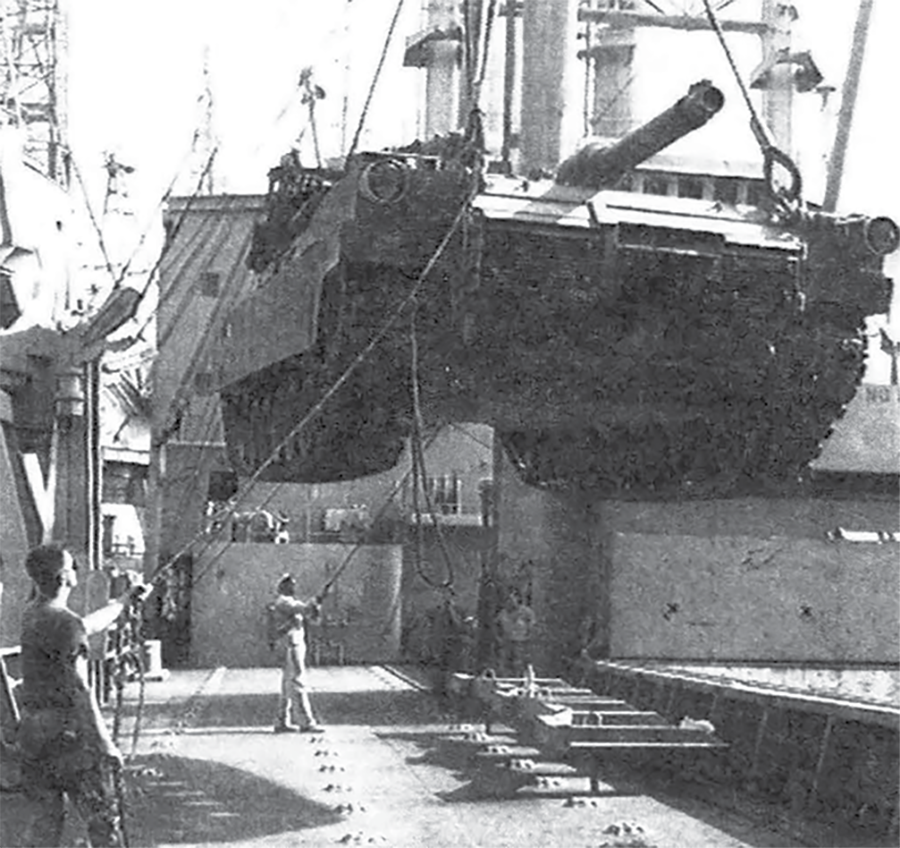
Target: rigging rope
(474, 438)
(119, 666)
(142, 681)
(417, 451)
(396, 489)
(180, 171)
(610, 104)
(315, 410)
(171, 237)
(419, 472)
(771, 154)
(409, 299)
(365, 111)
(336, 386)
(468, 49)
(146, 232)
(119, 786)
(484, 50)
(97, 229)
(448, 562)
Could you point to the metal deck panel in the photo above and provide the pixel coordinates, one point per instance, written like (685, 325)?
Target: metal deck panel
(575, 208)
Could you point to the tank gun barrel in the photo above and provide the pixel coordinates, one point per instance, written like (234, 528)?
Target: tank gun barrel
(598, 166)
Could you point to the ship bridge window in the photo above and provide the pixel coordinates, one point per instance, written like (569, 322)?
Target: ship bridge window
(754, 193)
(443, 492)
(690, 187)
(486, 493)
(727, 191)
(656, 184)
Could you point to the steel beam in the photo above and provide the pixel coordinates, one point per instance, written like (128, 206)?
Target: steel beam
(628, 20)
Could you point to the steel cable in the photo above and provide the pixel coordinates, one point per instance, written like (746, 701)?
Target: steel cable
(371, 93)
(336, 386)
(97, 229)
(419, 470)
(771, 154)
(372, 344)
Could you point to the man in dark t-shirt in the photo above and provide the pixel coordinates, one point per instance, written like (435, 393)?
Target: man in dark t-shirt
(65, 745)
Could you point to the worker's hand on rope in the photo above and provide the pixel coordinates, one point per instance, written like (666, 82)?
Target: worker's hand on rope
(138, 594)
(138, 589)
(315, 610)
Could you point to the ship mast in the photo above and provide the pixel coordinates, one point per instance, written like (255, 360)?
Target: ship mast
(848, 104)
(779, 86)
(610, 44)
(548, 36)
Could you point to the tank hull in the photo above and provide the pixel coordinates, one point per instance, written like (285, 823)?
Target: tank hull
(631, 346)
(628, 344)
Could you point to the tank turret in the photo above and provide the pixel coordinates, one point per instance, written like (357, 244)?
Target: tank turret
(600, 165)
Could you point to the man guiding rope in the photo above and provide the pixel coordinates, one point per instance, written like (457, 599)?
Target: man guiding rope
(288, 616)
(65, 746)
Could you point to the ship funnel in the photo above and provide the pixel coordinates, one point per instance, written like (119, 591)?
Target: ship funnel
(600, 166)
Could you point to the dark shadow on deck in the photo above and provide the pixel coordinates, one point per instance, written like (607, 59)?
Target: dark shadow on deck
(403, 707)
(176, 800)
(624, 775)
(435, 750)
(331, 708)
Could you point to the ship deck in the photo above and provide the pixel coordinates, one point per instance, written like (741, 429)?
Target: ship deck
(821, 741)
(871, 685)
(867, 693)
(209, 771)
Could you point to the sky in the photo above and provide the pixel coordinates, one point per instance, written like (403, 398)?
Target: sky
(136, 87)
(136, 71)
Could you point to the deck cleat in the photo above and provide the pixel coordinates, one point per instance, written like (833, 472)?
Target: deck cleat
(624, 829)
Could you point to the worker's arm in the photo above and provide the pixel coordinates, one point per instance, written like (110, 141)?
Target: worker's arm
(312, 610)
(104, 617)
(101, 619)
(307, 608)
(96, 734)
